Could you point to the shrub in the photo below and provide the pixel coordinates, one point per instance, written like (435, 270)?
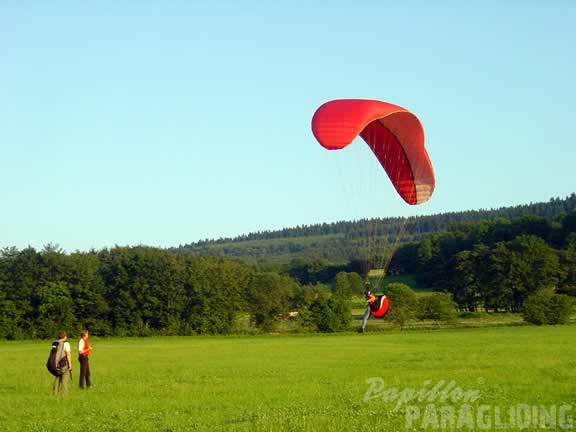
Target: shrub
(403, 303)
(437, 307)
(547, 307)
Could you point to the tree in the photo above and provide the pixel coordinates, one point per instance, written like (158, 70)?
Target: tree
(568, 264)
(403, 303)
(56, 310)
(437, 306)
(305, 295)
(9, 317)
(118, 272)
(547, 307)
(342, 286)
(331, 315)
(215, 292)
(268, 298)
(569, 223)
(24, 272)
(533, 225)
(312, 270)
(463, 283)
(523, 266)
(356, 283)
(88, 293)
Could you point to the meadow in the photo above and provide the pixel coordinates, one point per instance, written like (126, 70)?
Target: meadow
(289, 383)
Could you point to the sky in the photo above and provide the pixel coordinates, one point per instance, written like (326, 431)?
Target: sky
(165, 123)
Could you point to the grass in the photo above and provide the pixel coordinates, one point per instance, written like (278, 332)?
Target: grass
(284, 383)
(464, 320)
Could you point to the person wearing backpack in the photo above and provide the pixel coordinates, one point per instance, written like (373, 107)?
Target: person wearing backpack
(60, 364)
(84, 350)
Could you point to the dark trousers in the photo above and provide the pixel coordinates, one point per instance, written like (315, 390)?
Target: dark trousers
(84, 371)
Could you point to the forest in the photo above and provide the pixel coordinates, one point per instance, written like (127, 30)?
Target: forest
(345, 241)
(493, 264)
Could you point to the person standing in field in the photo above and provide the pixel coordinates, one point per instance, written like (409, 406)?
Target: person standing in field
(60, 387)
(84, 350)
(370, 299)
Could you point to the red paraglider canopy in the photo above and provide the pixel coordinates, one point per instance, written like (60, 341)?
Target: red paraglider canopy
(394, 134)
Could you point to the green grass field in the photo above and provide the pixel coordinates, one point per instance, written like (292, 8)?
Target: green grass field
(289, 383)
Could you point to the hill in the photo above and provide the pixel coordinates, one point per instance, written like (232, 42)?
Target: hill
(346, 241)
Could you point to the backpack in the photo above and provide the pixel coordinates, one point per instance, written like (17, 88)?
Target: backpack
(57, 363)
(379, 308)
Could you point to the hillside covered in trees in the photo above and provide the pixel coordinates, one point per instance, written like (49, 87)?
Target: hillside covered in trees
(345, 241)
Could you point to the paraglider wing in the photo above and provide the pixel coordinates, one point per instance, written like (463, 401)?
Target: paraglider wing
(394, 135)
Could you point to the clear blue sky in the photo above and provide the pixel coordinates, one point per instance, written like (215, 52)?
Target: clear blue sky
(164, 123)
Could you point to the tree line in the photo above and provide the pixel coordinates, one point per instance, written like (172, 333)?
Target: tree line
(496, 265)
(345, 241)
(139, 291)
